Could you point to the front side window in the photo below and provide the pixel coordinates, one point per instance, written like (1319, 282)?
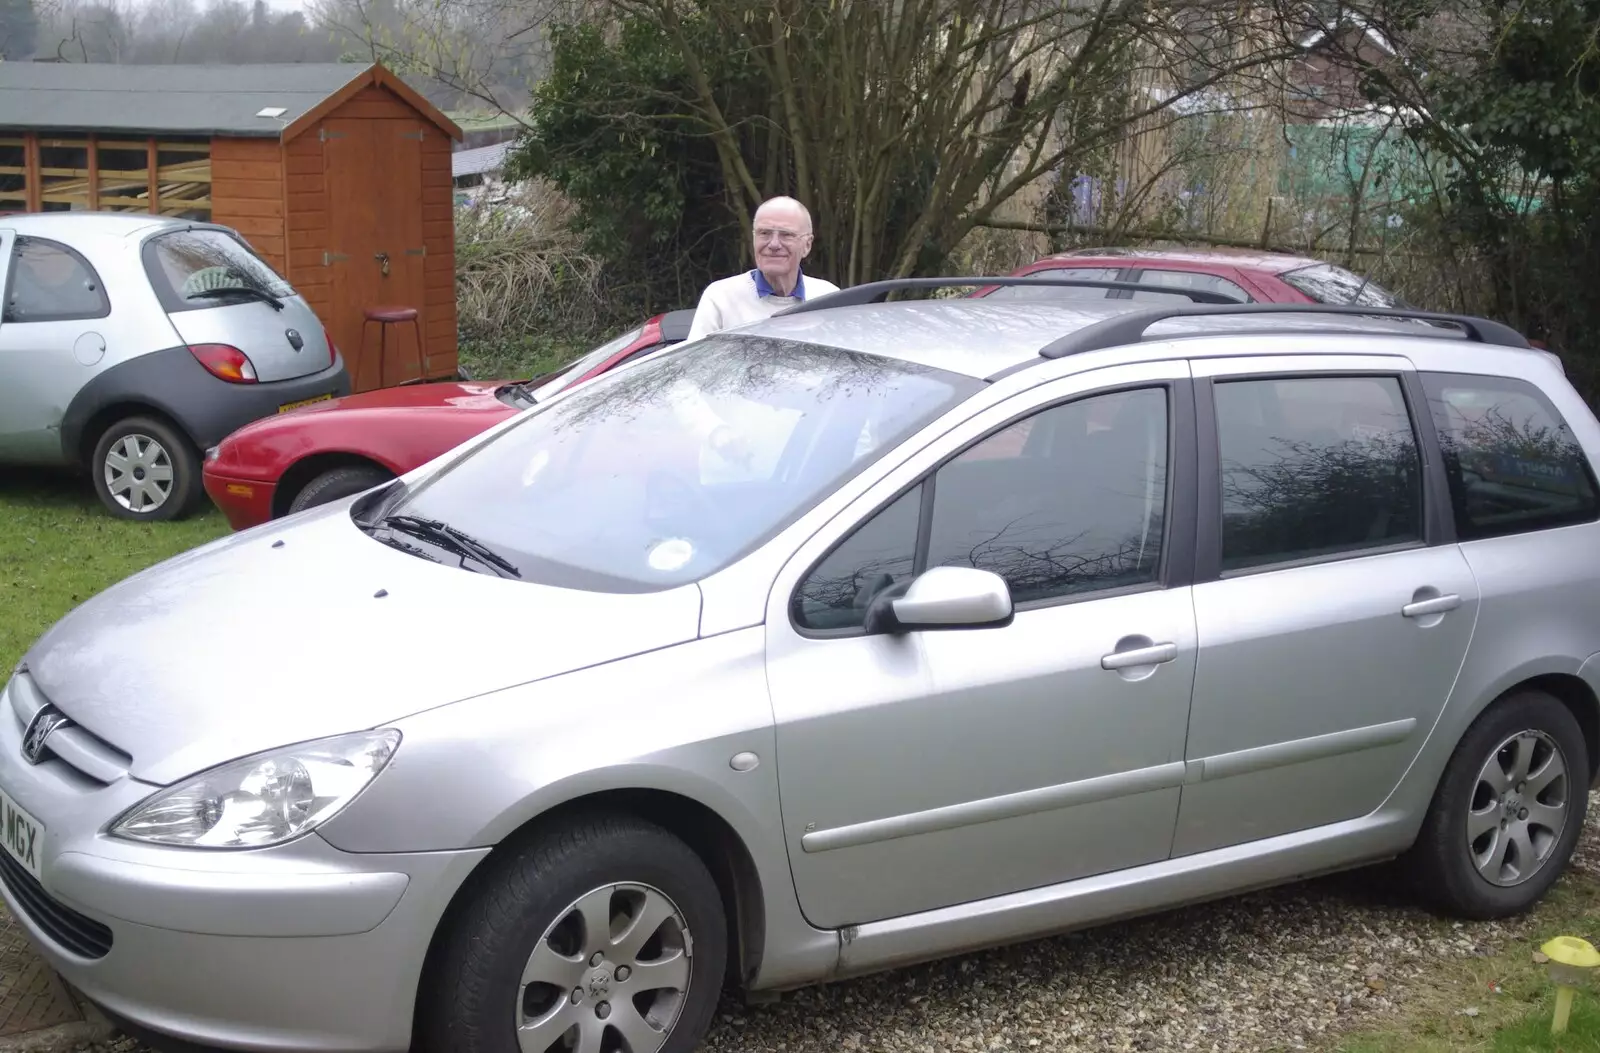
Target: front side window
(193, 269)
(1197, 280)
(1078, 508)
(880, 553)
(659, 474)
(1060, 292)
(1068, 501)
(1512, 463)
(51, 283)
(1315, 467)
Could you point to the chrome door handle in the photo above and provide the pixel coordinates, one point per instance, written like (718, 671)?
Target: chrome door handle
(1156, 655)
(1437, 605)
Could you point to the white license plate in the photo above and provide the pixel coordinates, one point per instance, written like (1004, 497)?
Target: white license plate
(21, 835)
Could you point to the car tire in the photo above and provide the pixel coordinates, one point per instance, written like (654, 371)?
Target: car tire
(1486, 870)
(522, 916)
(335, 483)
(145, 469)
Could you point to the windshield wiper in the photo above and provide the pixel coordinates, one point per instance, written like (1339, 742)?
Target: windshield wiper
(522, 391)
(403, 546)
(452, 540)
(248, 290)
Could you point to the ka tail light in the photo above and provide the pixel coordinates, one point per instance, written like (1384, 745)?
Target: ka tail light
(333, 352)
(225, 362)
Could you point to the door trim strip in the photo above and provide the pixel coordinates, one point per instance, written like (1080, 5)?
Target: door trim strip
(1300, 751)
(1106, 787)
(992, 809)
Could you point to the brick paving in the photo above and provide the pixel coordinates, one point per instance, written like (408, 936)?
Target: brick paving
(32, 996)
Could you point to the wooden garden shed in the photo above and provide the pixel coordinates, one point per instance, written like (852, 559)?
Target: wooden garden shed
(337, 174)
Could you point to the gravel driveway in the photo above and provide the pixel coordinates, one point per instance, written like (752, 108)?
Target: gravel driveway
(1267, 971)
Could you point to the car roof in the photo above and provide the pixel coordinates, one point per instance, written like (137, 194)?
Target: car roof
(982, 337)
(1253, 259)
(91, 224)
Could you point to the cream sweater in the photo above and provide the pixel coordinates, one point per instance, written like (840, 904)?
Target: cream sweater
(747, 297)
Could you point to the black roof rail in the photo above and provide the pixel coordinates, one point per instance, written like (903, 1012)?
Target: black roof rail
(873, 292)
(1129, 328)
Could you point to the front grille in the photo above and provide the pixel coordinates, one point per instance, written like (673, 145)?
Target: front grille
(85, 753)
(80, 935)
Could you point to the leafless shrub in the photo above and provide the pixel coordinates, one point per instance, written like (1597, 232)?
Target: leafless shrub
(521, 274)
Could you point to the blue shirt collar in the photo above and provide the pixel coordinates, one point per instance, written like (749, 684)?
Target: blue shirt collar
(764, 287)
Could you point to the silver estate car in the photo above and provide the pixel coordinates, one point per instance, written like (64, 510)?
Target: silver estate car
(864, 635)
(129, 343)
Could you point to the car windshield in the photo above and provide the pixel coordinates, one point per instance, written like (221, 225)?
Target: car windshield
(657, 475)
(1328, 284)
(565, 377)
(207, 268)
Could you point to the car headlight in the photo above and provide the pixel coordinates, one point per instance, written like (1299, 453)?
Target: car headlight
(262, 800)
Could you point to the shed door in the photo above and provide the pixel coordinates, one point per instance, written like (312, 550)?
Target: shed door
(373, 169)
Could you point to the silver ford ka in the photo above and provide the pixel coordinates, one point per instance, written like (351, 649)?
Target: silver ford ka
(868, 634)
(130, 343)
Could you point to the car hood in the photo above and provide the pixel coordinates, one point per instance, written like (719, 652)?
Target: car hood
(292, 631)
(477, 394)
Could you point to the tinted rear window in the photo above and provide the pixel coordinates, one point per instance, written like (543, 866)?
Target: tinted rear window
(1512, 462)
(1315, 467)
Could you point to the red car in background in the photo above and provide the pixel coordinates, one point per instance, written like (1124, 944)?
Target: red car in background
(1249, 276)
(328, 450)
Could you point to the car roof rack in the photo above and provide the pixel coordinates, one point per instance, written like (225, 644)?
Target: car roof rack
(874, 292)
(1129, 328)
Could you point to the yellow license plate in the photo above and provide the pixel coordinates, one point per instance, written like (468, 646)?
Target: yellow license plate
(287, 406)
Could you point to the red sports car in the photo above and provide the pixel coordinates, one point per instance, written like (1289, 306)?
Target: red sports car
(1249, 276)
(338, 447)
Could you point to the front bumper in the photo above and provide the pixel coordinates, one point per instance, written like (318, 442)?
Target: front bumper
(298, 947)
(244, 502)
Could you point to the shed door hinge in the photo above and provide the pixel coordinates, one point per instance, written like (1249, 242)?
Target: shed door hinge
(417, 252)
(329, 257)
(417, 135)
(325, 135)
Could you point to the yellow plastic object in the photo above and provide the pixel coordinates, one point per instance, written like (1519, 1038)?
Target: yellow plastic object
(1569, 958)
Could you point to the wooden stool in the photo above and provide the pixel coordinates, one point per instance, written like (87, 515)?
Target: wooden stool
(385, 317)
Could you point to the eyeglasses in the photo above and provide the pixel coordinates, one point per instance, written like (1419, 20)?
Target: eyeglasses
(786, 237)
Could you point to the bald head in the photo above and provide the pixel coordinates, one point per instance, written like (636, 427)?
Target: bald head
(782, 230)
(784, 212)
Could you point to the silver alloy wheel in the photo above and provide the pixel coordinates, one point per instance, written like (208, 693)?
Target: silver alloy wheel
(138, 473)
(1519, 808)
(609, 975)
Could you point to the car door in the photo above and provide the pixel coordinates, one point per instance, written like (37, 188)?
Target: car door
(1332, 618)
(51, 333)
(931, 768)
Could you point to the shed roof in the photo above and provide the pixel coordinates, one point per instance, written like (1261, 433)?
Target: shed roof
(206, 100)
(479, 160)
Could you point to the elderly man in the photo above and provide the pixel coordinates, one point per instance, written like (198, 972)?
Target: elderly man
(782, 240)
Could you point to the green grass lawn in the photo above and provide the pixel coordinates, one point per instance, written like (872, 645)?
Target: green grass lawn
(58, 547)
(1503, 1002)
(1532, 1033)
